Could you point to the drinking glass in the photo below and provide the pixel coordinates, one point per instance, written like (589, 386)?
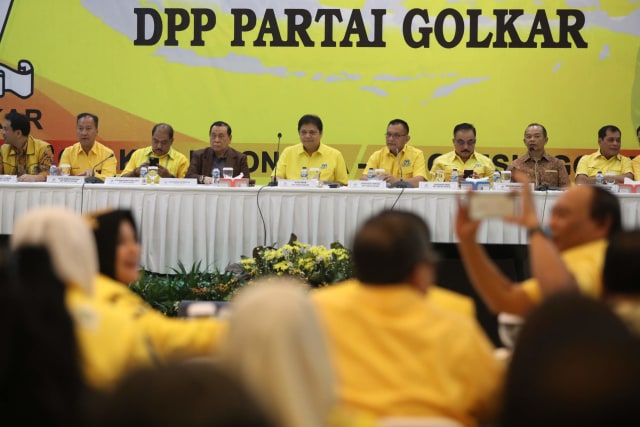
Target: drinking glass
(440, 175)
(65, 169)
(152, 175)
(610, 178)
(314, 174)
(227, 172)
(380, 173)
(505, 176)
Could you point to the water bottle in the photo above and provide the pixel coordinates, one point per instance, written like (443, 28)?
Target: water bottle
(143, 174)
(304, 173)
(496, 176)
(215, 173)
(454, 175)
(53, 170)
(599, 178)
(371, 174)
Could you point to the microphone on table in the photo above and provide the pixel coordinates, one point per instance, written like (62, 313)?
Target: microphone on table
(93, 179)
(402, 183)
(274, 179)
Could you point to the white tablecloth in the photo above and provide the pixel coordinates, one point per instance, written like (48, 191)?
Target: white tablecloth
(216, 226)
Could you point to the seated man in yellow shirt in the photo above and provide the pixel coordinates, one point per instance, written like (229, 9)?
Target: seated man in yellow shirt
(22, 154)
(397, 353)
(401, 162)
(606, 159)
(171, 163)
(310, 153)
(88, 157)
(468, 162)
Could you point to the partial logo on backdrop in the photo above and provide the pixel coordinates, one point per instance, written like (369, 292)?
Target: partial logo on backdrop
(20, 80)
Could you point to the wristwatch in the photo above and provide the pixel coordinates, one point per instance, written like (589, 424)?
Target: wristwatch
(533, 230)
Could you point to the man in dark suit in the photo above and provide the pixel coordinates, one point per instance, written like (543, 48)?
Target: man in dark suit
(219, 155)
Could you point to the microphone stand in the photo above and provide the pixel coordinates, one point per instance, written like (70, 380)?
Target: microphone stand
(274, 180)
(402, 183)
(94, 179)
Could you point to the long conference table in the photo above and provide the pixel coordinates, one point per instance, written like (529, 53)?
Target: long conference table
(217, 226)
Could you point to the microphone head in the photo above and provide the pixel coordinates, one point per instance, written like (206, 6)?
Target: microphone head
(279, 135)
(93, 180)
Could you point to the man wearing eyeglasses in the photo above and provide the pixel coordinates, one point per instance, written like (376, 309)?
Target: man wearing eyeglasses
(171, 163)
(464, 158)
(399, 160)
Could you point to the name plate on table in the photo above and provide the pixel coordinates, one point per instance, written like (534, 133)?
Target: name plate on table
(475, 185)
(65, 179)
(8, 178)
(178, 181)
(508, 186)
(439, 185)
(367, 184)
(122, 180)
(298, 183)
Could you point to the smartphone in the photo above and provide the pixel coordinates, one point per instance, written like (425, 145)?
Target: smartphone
(492, 205)
(467, 173)
(153, 161)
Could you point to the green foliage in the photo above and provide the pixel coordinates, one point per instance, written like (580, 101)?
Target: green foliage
(316, 265)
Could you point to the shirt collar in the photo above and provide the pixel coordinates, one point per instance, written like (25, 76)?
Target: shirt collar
(599, 154)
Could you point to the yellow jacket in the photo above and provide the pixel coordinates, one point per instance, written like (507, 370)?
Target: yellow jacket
(170, 338)
(110, 344)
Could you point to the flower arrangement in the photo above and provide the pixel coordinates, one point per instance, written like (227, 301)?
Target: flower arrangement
(317, 265)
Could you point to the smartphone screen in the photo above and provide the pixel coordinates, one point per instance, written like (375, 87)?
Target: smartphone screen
(153, 161)
(467, 173)
(492, 205)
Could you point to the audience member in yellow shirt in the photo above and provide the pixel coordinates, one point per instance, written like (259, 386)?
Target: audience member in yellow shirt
(397, 353)
(110, 343)
(119, 253)
(171, 163)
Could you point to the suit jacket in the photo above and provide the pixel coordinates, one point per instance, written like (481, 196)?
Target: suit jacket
(202, 162)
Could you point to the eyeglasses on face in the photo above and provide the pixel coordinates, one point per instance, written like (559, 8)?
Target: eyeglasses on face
(394, 135)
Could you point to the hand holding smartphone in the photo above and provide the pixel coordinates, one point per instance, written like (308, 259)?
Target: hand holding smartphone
(484, 204)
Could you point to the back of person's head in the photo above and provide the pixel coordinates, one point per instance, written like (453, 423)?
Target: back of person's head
(185, 395)
(605, 208)
(276, 347)
(106, 230)
(389, 245)
(621, 270)
(67, 238)
(19, 122)
(575, 364)
(41, 381)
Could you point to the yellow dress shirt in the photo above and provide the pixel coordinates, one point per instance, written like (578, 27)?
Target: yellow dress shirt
(174, 161)
(585, 262)
(590, 164)
(36, 158)
(81, 161)
(398, 354)
(110, 344)
(411, 159)
(480, 163)
(170, 338)
(329, 160)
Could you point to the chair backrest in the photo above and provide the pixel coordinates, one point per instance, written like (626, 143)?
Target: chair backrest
(418, 422)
